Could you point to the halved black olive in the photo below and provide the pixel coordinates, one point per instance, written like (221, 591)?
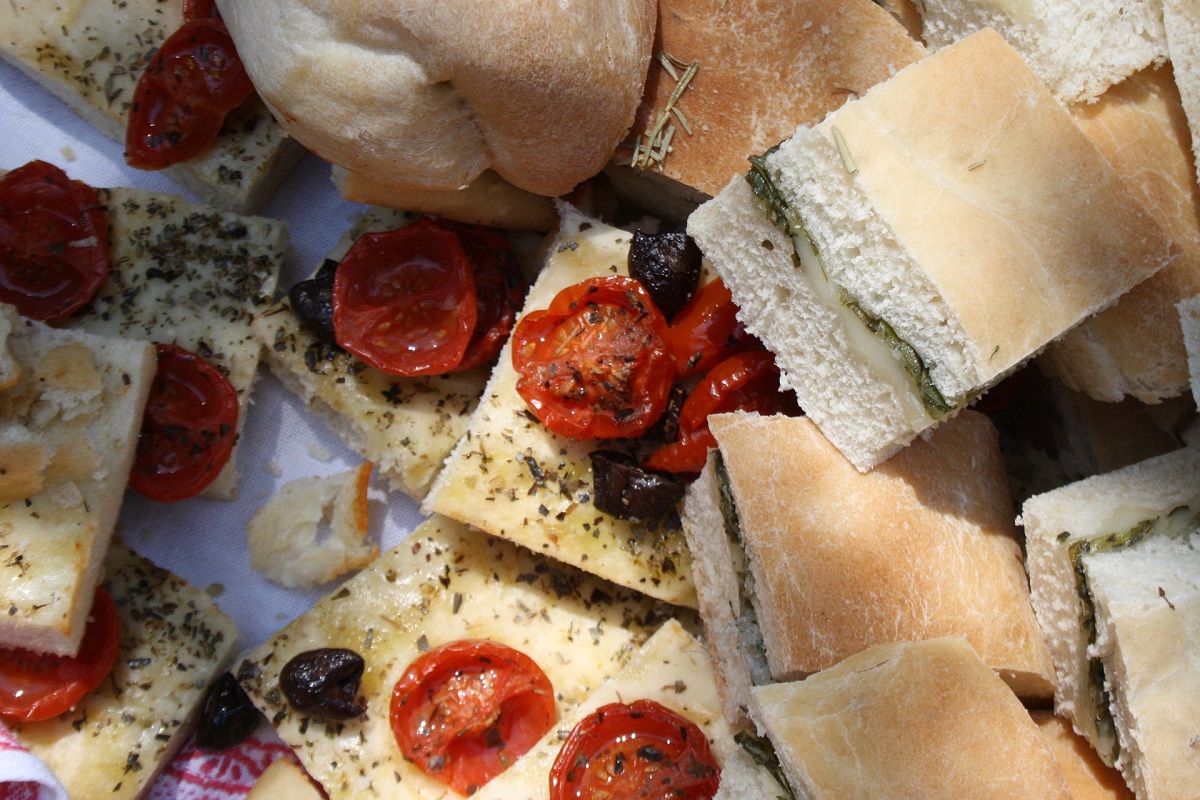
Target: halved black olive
(668, 265)
(324, 682)
(227, 716)
(312, 302)
(626, 491)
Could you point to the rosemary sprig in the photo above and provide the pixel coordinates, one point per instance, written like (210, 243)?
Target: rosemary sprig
(651, 148)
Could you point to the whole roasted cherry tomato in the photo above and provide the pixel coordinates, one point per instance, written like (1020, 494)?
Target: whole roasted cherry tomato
(464, 711)
(499, 291)
(404, 300)
(188, 428)
(707, 330)
(637, 750)
(53, 242)
(743, 382)
(37, 686)
(594, 364)
(191, 83)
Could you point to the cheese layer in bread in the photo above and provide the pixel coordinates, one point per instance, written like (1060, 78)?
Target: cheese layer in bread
(193, 275)
(445, 582)
(174, 643)
(68, 429)
(90, 54)
(513, 478)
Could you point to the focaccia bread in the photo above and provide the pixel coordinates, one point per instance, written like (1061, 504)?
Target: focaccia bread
(90, 54)
(511, 477)
(445, 582)
(68, 430)
(908, 721)
(193, 275)
(405, 426)
(174, 643)
(1181, 19)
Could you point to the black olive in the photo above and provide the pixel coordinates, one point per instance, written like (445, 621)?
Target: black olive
(227, 716)
(324, 682)
(312, 302)
(626, 491)
(668, 265)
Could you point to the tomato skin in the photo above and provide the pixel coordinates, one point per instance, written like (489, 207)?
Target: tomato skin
(181, 99)
(36, 686)
(707, 330)
(200, 9)
(636, 750)
(404, 300)
(188, 428)
(464, 711)
(53, 242)
(743, 382)
(594, 365)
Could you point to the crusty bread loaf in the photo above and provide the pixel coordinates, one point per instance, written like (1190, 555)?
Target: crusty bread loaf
(1087, 776)
(487, 200)
(1189, 323)
(908, 721)
(1079, 49)
(1181, 18)
(90, 54)
(761, 69)
(920, 547)
(1134, 349)
(958, 207)
(430, 95)
(1054, 521)
(71, 426)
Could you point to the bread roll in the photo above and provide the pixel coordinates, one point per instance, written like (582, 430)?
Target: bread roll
(429, 95)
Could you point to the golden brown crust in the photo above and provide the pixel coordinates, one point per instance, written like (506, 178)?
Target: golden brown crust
(432, 94)
(923, 720)
(922, 546)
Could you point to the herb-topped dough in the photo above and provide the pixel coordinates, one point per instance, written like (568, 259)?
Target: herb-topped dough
(446, 582)
(90, 54)
(68, 429)
(405, 426)
(192, 275)
(174, 643)
(513, 478)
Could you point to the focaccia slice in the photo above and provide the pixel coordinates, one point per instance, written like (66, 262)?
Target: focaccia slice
(445, 582)
(406, 426)
(513, 478)
(68, 429)
(174, 643)
(193, 275)
(90, 54)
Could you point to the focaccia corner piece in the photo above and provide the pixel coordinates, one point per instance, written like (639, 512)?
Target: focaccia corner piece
(68, 430)
(444, 583)
(908, 720)
(513, 478)
(920, 245)
(193, 275)
(90, 54)
(1078, 48)
(405, 426)
(174, 643)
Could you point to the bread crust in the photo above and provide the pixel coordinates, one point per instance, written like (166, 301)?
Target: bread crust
(910, 720)
(432, 94)
(920, 547)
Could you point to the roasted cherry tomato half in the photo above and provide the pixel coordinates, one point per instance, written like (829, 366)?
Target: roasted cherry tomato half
(188, 429)
(743, 382)
(404, 300)
(594, 364)
(707, 331)
(635, 750)
(464, 711)
(499, 291)
(53, 242)
(191, 83)
(37, 686)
